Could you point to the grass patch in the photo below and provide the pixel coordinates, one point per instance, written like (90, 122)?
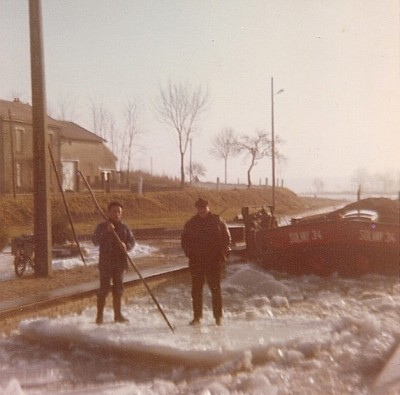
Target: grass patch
(169, 209)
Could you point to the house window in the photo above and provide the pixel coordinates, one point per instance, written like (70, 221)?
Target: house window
(18, 175)
(19, 140)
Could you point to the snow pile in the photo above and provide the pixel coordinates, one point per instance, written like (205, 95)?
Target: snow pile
(89, 251)
(280, 335)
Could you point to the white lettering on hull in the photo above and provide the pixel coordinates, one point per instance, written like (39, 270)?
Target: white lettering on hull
(377, 236)
(305, 236)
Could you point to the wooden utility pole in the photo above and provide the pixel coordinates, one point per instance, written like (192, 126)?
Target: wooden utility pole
(41, 168)
(12, 154)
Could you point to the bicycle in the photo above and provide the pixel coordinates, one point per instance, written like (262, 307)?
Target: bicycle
(23, 249)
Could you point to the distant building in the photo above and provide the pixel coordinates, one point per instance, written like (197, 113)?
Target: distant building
(73, 147)
(84, 150)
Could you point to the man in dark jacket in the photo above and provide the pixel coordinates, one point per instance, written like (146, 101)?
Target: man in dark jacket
(115, 239)
(205, 240)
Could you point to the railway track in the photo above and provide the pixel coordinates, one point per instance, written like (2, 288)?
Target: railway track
(75, 299)
(157, 269)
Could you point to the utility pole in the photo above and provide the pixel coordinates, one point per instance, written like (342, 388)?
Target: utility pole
(273, 143)
(272, 146)
(12, 154)
(41, 168)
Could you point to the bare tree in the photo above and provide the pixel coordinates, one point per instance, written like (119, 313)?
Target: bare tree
(129, 140)
(113, 140)
(180, 107)
(101, 119)
(224, 146)
(66, 110)
(319, 185)
(105, 126)
(196, 171)
(360, 179)
(384, 182)
(256, 147)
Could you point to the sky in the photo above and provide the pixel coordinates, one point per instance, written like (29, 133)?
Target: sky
(280, 335)
(337, 62)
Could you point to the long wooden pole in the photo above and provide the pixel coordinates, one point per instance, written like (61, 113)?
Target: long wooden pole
(65, 204)
(129, 258)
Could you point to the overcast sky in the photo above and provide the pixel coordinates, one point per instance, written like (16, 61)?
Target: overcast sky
(337, 61)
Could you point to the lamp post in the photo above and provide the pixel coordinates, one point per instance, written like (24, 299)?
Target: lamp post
(273, 143)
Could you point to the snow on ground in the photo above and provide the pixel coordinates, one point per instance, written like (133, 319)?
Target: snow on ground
(203, 346)
(280, 335)
(90, 253)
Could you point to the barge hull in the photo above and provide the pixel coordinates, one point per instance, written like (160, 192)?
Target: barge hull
(348, 248)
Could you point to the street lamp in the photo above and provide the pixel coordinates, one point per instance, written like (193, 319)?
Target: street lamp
(273, 143)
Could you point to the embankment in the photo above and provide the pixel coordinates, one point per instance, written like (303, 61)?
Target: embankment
(156, 209)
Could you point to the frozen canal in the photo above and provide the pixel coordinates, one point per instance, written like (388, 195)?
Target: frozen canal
(280, 335)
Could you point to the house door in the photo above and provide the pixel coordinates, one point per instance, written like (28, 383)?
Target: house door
(68, 176)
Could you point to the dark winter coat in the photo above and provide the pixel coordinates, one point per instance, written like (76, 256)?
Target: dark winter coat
(206, 238)
(110, 252)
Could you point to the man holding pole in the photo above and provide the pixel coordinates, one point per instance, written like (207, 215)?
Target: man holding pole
(115, 239)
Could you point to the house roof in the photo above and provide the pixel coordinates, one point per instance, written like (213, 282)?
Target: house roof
(71, 130)
(20, 112)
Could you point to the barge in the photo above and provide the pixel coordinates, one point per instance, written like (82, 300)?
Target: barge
(360, 238)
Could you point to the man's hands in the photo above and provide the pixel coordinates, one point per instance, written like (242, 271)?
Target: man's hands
(111, 228)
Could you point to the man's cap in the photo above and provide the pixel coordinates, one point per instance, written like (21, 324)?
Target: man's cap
(201, 203)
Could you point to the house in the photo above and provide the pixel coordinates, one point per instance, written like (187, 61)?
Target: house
(16, 148)
(83, 150)
(73, 147)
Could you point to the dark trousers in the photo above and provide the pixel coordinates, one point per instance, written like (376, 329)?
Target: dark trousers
(108, 273)
(202, 270)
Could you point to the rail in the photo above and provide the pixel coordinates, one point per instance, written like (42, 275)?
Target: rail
(75, 299)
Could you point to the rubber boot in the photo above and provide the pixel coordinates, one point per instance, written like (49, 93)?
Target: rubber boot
(195, 321)
(217, 307)
(118, 317)
(197, 304)
(101, 301)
